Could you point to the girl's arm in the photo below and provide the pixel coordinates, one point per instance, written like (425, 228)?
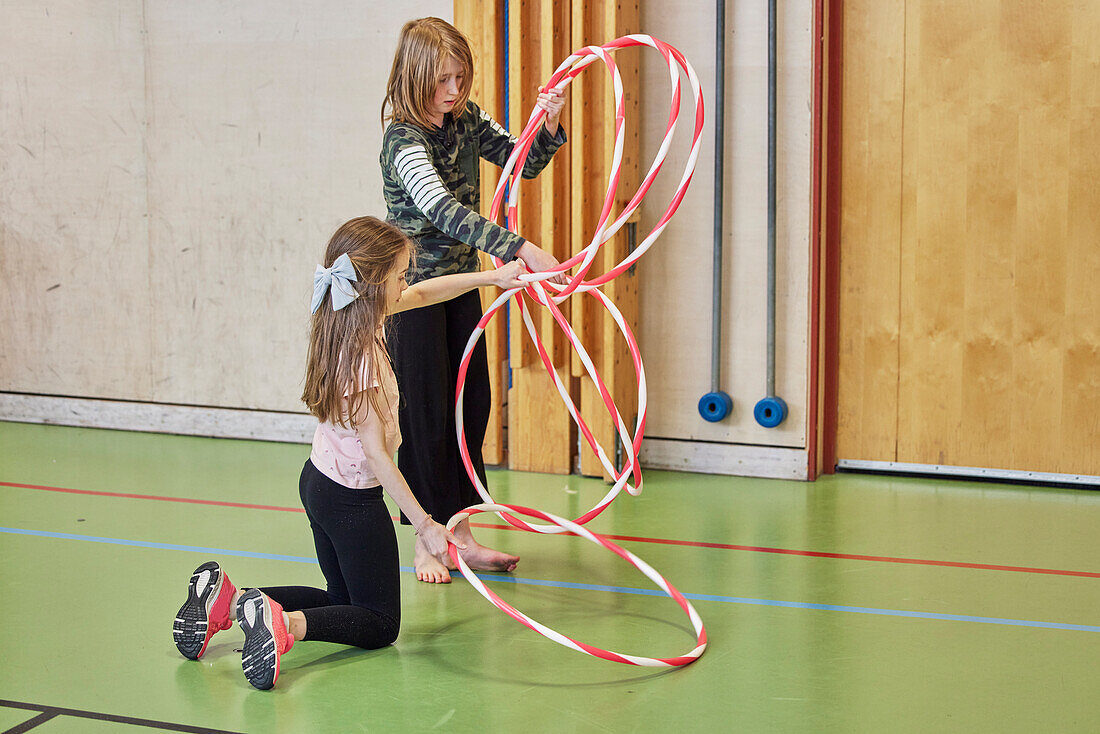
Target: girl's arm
(372, 436)
(446, 287)
(496, 143)
(405, 162)
(407, 165)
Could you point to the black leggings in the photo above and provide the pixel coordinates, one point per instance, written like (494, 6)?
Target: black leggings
(357, 549)
(426, 345)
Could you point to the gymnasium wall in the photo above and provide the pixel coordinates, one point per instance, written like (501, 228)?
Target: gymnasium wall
(170, 175)
(170, 172)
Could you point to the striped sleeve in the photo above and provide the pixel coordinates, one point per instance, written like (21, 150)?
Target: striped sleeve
(419, 177)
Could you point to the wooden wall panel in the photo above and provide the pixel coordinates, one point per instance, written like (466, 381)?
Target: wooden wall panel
(540, 430)
(998, 351)
(1080, 398)
(932, 251)
(594, 132)
(872, 105)
(558, 211)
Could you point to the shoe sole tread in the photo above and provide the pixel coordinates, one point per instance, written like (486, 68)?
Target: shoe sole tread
(191, 627)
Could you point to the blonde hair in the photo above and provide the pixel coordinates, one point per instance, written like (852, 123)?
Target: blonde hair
(423, 49)
(342, 342)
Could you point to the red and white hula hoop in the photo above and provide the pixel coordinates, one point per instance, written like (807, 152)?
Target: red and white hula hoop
(550, 295)
(567, 526)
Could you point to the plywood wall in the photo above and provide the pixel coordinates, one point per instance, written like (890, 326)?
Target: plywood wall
(593, 131)
(970, 316)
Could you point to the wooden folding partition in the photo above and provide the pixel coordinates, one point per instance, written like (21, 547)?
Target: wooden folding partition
(558, 211)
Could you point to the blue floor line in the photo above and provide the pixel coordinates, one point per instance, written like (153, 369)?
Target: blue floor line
(586, 587)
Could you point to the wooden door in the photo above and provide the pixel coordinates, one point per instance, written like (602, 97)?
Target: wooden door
(969, 300)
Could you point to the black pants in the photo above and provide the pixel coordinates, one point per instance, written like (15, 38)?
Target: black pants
(357, 549)
(426, 345)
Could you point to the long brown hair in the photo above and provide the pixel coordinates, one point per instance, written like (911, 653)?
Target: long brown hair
(423, 48)
(342, 343)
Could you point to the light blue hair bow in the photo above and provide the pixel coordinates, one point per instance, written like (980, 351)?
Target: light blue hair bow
(336, 279)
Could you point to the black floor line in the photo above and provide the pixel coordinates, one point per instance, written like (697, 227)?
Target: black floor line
(48, 712)
(31, 723)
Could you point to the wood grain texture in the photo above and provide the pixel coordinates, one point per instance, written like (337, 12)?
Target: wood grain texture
(999, 358)
(539, 429)
(870, 228)
(594, 129)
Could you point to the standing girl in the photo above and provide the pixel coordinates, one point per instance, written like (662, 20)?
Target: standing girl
(430, 158)
(351, 388)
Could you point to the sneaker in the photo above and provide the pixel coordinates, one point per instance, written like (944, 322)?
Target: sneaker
(266, 637)
(206, 610)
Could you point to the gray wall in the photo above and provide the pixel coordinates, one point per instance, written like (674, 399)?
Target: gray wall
(169, 173)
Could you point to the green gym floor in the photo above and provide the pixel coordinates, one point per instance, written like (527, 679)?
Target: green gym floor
(852, 604)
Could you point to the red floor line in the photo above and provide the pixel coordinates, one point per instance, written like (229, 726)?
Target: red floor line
(634, 538)
(153, 497)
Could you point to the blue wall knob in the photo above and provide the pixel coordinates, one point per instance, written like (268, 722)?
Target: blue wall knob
(714, 406)
(770, 412)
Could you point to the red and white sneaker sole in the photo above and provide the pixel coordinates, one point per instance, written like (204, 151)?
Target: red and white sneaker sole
(205, 612)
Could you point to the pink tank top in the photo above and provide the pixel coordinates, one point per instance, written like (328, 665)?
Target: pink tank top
(337, 451)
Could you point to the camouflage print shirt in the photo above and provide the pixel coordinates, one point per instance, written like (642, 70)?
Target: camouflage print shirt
(431, 183)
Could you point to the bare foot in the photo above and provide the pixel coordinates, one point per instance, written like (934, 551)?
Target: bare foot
(480, 558)
(428, 568)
